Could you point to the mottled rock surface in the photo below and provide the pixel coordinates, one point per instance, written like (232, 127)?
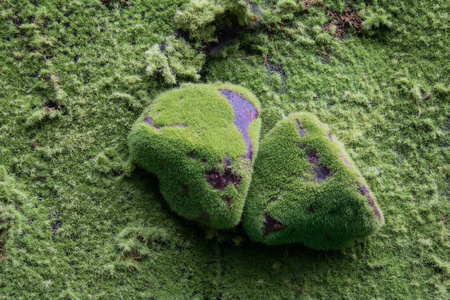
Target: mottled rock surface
(307, 190)
(200, 140)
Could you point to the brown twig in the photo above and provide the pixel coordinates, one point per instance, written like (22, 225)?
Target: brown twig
(324, 53)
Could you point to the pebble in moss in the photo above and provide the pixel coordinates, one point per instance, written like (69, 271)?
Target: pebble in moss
(200, 140)
(305, 189)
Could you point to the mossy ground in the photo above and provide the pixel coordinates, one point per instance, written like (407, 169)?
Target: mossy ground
(73, 80)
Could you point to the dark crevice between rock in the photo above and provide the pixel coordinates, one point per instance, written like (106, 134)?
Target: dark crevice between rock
(244, 113)
(363, 190)
(271, 225)
(301, 130)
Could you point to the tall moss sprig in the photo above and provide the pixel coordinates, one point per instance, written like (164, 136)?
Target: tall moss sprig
(174, 58)
(202, 18)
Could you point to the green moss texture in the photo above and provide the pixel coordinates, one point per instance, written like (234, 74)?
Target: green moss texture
(73, 81)
(200, 140)
(307, 190)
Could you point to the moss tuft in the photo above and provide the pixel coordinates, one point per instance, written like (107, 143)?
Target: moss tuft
(200, 141)
(202, 18)
(174, 58)
(307, 190)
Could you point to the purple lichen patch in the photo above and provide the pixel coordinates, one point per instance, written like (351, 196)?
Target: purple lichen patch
(330, 137)
(301, 130)
(221, 180)
(322, 173)
(244, 113)
(227, 200)
(345, 161)
(149, 121)
(271, 225)
(313, 156)
(363, 190)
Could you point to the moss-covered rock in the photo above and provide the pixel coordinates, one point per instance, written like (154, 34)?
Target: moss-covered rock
(200, 140)
(307, 190)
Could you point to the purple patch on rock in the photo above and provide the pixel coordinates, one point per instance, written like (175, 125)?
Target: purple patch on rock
(345, 161)
(363, 190)
(329, 136)
(313, 156)
(149, 121)
(271, 225)
(301, 130)
(322, 173)
(221, 180)
(227, 200)
(244, 113)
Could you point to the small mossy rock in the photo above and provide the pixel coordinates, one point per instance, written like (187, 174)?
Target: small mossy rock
(305, 189)
(200, 140)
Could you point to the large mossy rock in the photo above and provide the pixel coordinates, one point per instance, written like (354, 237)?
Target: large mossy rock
(306, 189)
(200, 140)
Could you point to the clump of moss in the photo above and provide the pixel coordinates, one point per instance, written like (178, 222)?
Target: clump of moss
(10, 197)
(307, 190)
(174, 58)
(200, 140)
(202, 18)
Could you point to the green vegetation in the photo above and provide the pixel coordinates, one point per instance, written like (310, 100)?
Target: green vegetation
(202, 18)
(307, 190)
(73, 81)
(200, 141)
(172, 58)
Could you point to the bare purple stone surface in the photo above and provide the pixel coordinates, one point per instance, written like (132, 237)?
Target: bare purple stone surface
(301, 130)
(221, 180)
(313, 157)
(363, 190)
(345, 161)
(149, 121)
(322, 173)
(244, 114)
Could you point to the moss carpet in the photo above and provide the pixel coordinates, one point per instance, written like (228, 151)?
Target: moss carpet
(80, 221)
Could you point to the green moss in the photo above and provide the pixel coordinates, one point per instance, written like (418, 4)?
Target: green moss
(188, 138)
(202, 18)
(68, 246)
(307, 190)
(174, 58)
